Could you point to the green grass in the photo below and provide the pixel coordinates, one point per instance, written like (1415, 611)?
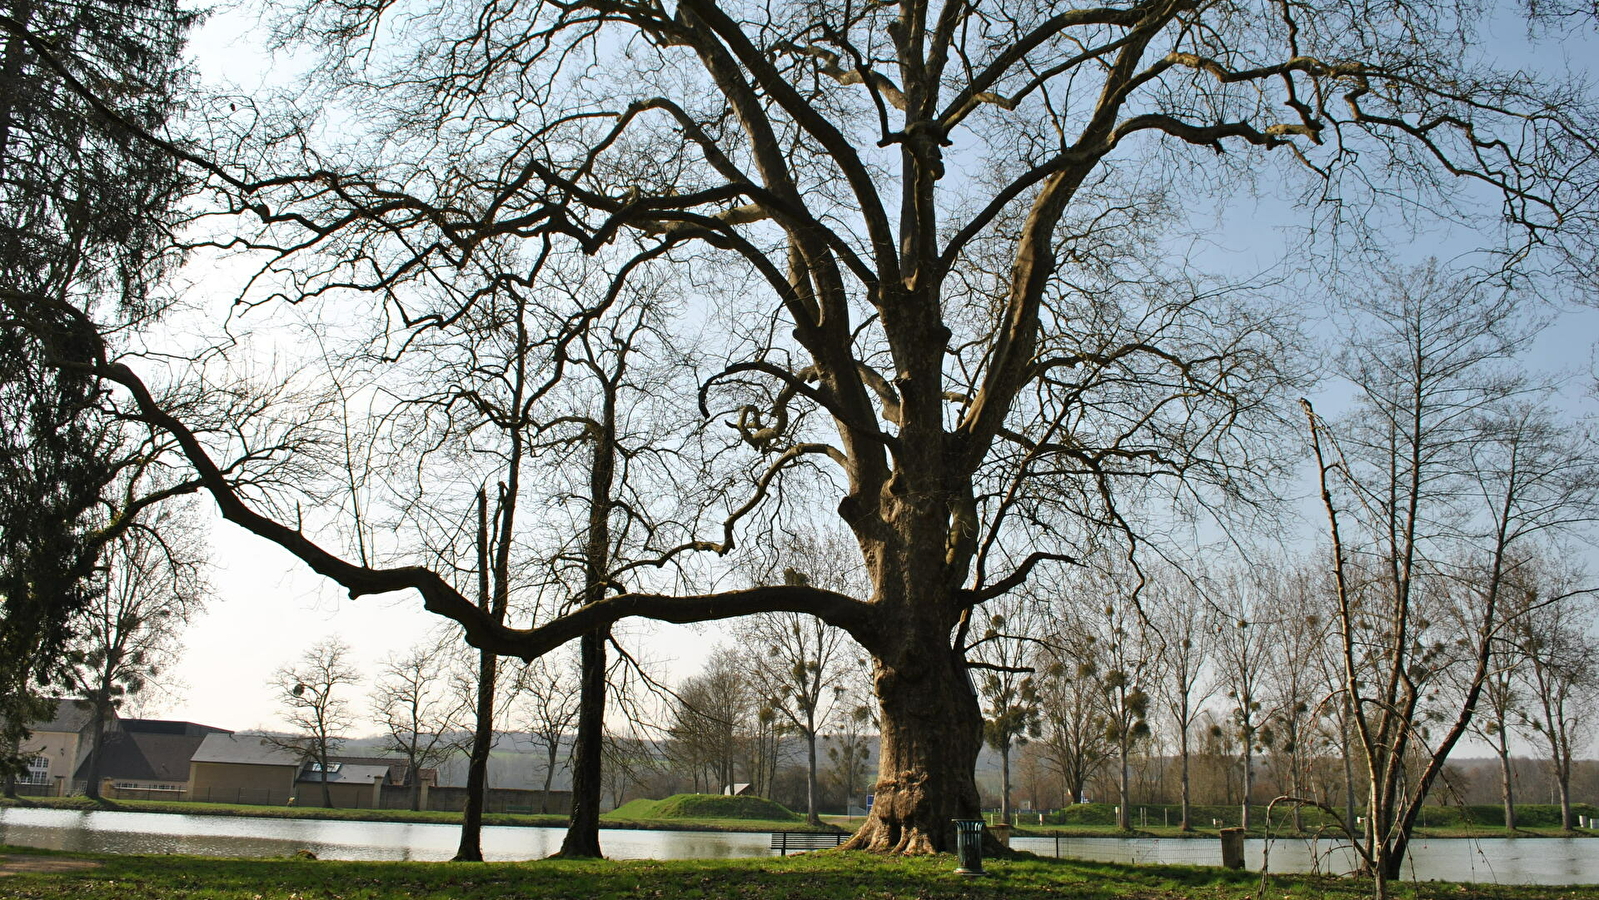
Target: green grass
(826, 875)
(708, 806)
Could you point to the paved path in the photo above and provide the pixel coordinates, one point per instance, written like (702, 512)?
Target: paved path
(12, 863)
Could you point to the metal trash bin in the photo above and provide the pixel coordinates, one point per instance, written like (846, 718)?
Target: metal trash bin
(969, 846)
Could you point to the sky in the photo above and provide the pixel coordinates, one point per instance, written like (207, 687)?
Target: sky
(268, 608)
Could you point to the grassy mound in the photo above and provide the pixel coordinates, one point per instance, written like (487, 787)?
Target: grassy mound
(707, 806)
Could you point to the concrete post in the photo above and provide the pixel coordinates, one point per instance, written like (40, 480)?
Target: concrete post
(1232, 848)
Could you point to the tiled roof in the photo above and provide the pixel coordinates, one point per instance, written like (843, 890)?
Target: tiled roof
(70, 717)
(347, 773)
(140, 756)
(246, 749)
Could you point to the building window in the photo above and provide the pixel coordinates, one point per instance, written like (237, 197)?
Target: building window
(139, 786)
(38, 771)
(317, 767)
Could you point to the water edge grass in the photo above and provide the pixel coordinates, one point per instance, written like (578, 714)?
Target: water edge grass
(826, 875)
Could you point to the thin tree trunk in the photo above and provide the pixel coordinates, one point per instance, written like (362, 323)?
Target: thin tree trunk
(1124, 815)
(1563, 780)
(1185, 824)
(477, 770)
(1505, 791)
(1349, 775)
(96, 750)
(549, 774)
(583, 831)
(1249, 775)
(812, 817)
(1004, 785)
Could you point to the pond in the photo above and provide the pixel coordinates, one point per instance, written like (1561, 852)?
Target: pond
(105, 831)
(1495, 860)
(1523, 861)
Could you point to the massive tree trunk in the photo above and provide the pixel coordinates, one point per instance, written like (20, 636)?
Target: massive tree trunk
(932, 730)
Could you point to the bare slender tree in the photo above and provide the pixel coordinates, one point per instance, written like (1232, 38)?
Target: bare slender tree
(709, 720)
(1296, 698)
(1075, 744)
(423, 717)
(1441, 462)
(800, 663)
(312, 691)
(1246, 639)
(546, 707)
(1560, 676)
(1187, 631)
(1003, 655)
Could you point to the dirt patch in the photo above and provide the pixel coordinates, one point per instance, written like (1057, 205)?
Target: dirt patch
(12, 863)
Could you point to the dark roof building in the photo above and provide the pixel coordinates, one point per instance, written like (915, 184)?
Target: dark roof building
(151, 751)
(168, 726)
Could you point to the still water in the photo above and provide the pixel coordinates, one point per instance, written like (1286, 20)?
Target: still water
(125, 832)
(1494, 860)
(1525, 861)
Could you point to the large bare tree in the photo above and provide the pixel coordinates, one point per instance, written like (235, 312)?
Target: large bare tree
(935, 234)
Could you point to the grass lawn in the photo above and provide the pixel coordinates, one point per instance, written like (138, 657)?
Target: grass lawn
(827, 875)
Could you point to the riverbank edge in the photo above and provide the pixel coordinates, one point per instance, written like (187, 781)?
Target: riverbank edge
(823, 875)
(836, 824)
(401, 816)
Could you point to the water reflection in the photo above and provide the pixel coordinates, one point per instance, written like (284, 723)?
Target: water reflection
(1495, 860)
(104, 831)
(1525, 861)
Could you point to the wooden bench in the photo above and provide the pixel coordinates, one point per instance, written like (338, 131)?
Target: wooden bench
(785, 841)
